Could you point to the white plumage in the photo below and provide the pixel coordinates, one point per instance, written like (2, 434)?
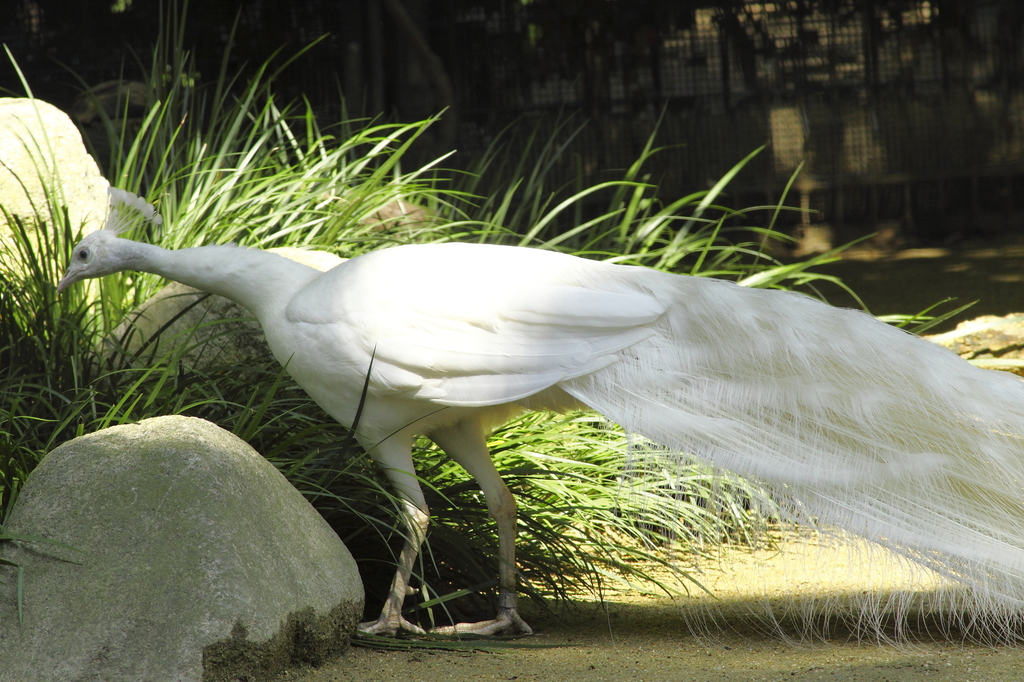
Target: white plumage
(870, 429)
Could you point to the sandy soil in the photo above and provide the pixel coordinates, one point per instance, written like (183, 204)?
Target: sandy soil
(631, 636)
(648, 648)
(645, 650)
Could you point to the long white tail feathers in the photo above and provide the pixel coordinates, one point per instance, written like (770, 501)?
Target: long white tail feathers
(873, 431)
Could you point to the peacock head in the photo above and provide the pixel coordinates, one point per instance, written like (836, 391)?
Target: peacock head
(95, 256)
(102, 253)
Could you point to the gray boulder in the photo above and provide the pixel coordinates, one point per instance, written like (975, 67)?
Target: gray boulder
(42, 151)
(196, 560)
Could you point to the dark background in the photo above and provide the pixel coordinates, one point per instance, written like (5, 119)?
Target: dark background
(908, 115)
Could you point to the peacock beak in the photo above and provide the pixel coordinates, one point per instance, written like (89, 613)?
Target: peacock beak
(67, 280)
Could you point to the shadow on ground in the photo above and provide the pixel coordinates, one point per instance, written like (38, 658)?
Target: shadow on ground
(631, 637)
(909, 281)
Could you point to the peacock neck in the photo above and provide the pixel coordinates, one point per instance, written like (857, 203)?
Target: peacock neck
(261, 281)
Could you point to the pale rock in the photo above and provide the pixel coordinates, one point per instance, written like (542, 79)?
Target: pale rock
(193, 559)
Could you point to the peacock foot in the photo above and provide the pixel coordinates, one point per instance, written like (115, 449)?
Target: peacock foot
(508, 622)
(388, 627)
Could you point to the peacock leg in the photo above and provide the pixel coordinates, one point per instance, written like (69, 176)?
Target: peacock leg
(465, 443)
(397, 464)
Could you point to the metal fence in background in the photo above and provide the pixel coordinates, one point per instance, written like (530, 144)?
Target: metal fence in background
(907, 112)
(897, 111)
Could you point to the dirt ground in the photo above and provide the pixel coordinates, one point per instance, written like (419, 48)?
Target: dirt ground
(635, 637)
(909, 281)
(632, 637)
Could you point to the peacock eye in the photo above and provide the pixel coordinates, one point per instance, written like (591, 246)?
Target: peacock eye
(83, 254)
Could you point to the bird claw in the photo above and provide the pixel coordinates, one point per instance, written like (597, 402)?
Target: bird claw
(384, 627)
(507, 622)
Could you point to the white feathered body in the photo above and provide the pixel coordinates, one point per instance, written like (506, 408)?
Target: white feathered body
(454, 327)
(872, 429)
(876, 431)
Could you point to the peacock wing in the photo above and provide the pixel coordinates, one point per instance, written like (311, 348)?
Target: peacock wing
(475, 325)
